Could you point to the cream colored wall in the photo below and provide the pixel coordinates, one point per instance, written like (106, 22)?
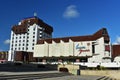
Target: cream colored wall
(100, 52)
(39, 50)
(54, 49)
(69, 49)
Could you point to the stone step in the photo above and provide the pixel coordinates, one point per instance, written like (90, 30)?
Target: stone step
(105, 78)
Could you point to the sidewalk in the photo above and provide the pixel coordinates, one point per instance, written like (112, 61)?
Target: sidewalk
(22, 73)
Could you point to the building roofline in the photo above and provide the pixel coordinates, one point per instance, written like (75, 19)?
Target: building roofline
(92, 37)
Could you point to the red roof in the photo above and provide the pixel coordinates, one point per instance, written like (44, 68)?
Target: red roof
(101, 33)
(18, 29)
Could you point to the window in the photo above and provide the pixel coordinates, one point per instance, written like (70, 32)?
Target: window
(15, 44)
(33, 44)
(40, 33)
(19, 40)
(33, 32)
(23, 40)
(19, 44)
(19, 48)
(20, 37)
(23, 36)
(33, 40)
(33, 36)
(27, 40)
(34, 29)
(16, 37)
(23, 48)
(23, 44)
(93, 49)
(104, 32)
(27, 44)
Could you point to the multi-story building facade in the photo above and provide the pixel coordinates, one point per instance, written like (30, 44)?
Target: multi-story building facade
(3, 56)
(91, 48)
(26, 34)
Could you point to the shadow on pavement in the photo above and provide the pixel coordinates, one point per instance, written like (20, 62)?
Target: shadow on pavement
(26, 67)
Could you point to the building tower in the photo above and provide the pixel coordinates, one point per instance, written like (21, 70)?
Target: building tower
(26, 34)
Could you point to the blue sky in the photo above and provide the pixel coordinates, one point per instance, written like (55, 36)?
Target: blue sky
(68, 17)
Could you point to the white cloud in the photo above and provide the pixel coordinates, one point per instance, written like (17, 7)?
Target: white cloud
(7, 41)
(117, 41)
(71, 12)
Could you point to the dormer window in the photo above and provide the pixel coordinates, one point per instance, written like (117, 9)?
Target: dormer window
(104, 32)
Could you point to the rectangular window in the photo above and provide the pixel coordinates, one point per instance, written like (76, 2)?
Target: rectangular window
(23, 48)
(93, 49)
(33, 40)
(33, 44)
(34, 29)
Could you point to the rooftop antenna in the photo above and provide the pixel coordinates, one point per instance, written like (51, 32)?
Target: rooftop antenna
(35, 14)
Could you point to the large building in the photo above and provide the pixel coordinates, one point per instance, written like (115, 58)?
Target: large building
(3, 56)
(26, 34)
(90, 48)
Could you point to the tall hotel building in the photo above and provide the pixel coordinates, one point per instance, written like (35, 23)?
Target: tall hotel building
(26, 34)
